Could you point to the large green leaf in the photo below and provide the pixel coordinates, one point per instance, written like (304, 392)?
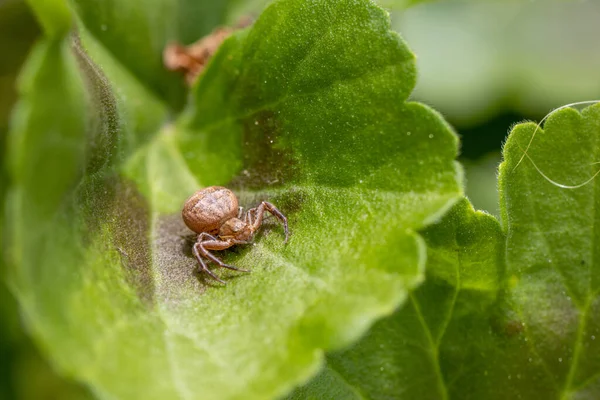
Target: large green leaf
(296, 130)
(311, 116)
(423, 347)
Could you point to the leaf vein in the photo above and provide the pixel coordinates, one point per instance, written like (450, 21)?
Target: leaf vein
(354, 389)
(433, 351)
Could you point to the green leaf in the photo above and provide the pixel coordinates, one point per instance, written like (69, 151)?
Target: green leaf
(312, 117)
(51, 133)
(427, 344)
(25, 374)
(297, 137)
(552, 298)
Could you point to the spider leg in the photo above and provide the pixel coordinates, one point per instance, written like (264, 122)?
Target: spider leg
(246, 218)
(204, 236)
(214, 244)
(216, 260)
(266, 206)
(203, 267)
(250, 216)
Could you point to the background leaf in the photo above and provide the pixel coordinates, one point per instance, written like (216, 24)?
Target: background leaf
(552, 298)
(284, 112)
(422, 348)
(24, 374)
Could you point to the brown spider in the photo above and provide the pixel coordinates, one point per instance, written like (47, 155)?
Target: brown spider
(214, 214)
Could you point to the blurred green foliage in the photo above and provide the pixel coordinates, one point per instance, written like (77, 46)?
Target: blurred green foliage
(18, 31)
(24, 373)
(477, 59)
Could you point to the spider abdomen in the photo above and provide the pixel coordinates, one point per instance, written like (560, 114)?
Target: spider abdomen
(207, 209)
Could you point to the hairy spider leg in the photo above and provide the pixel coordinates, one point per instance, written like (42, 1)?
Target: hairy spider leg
(203, 267)
(260, 210)
(249, 217)
(245, 217)
(208, 242)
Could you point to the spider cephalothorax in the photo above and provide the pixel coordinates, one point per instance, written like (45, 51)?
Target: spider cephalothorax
(214, 214)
